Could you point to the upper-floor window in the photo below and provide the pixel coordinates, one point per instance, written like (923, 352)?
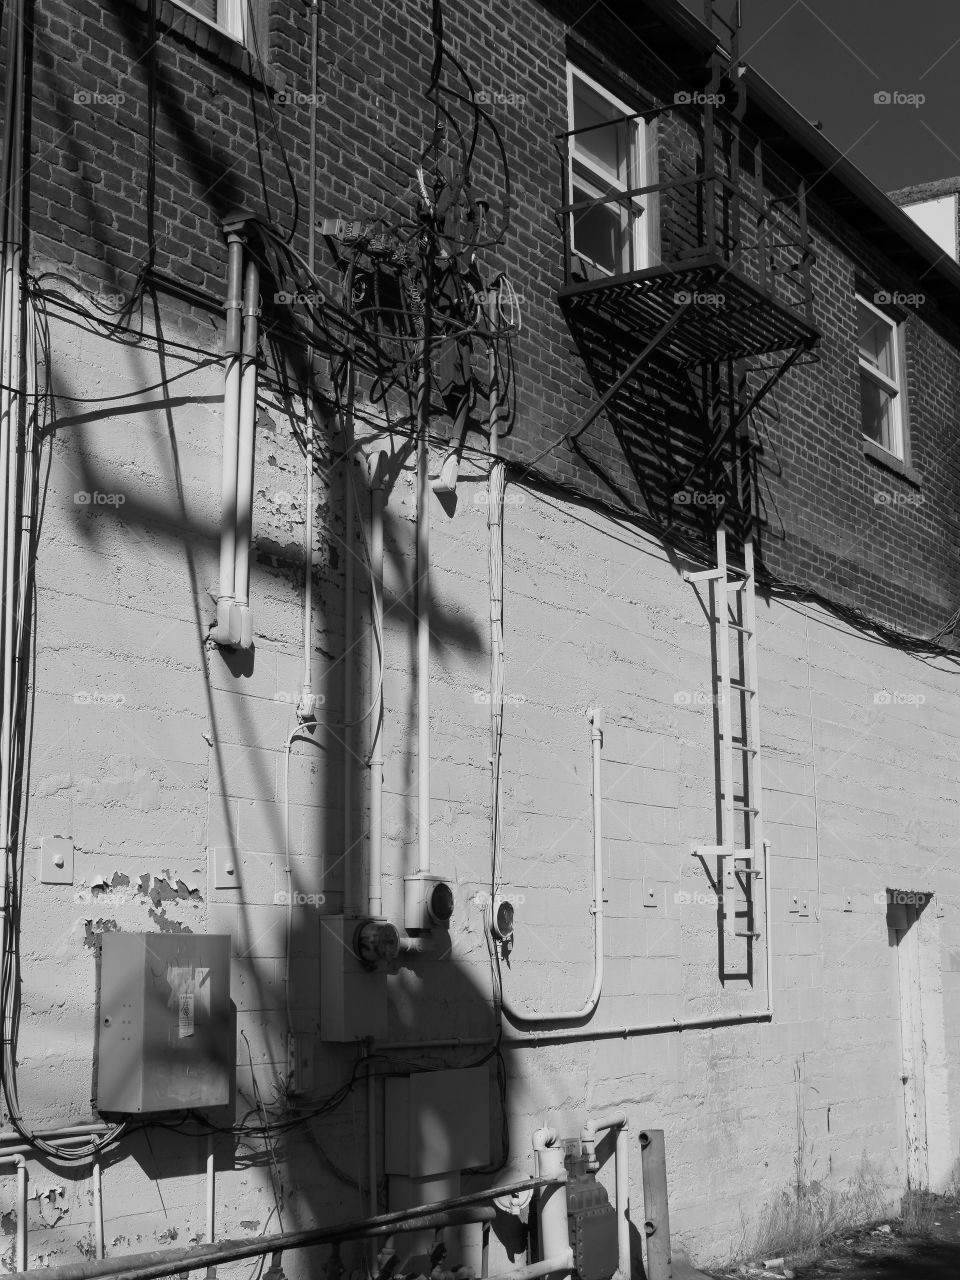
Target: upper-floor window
(607, 160)
(881, 378)
(229, 16)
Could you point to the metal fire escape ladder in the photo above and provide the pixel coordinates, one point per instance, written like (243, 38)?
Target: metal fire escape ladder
(739, 854)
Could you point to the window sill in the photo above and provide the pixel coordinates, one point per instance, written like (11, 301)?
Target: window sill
(877, 453)
(203, 35)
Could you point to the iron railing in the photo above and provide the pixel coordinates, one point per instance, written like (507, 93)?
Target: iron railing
(462, 1210)
(731, 208)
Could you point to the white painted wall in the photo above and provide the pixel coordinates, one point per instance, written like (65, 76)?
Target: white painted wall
(861, 793)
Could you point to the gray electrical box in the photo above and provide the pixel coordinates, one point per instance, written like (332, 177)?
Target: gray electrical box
(164, 1022)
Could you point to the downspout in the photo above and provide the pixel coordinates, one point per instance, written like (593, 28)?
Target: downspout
(588, 1007)
(423, 610)
(221, 633)
(243, 628)
(375, 869)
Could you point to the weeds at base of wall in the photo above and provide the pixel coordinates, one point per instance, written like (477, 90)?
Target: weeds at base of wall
(801, 1218)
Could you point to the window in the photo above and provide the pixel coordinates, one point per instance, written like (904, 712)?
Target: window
(608, 160)
(228, 16)
(881, 378)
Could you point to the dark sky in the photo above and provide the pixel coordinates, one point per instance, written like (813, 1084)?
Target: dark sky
(830, 57)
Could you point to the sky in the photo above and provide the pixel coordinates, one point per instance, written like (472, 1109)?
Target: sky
(830, 58)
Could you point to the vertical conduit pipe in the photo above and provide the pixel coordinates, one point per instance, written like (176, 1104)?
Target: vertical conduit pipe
(351, 891)
(231, 426)
(97, 1175)
(618, 1120)
(10, 301)
(423, 612)
(495, 489)
(377, 503)
(211, 1190)
(306, 692)
(21, 1247)
(245, 452)
(588, 1007)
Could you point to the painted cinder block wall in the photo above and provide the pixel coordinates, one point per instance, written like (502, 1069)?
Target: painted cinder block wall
(151, 752)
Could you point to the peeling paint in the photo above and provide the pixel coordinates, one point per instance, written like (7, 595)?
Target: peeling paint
(94, 928)
(165, 925)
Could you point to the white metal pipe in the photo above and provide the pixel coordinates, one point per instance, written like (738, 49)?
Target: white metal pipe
(423, 618)
(247, 433)
(67, 1131)
(351, 892)
(618, 1120)
(97, 1175)
(553, 1229)
(21, 1165)
(590, 1004)
(231, 425)
(211, 1190)
(306, 692)
(10, 301)
(375, 866)
(523, 1039)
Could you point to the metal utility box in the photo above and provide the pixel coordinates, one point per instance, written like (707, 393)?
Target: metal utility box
(164, 1022)
(437, 1122)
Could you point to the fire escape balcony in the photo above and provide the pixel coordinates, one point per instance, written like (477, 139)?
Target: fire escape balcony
(721, 250)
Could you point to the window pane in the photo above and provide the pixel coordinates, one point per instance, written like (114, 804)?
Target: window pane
(876, 341)
(608, 148)
(206, 8)
(877, 412)
(598, 233)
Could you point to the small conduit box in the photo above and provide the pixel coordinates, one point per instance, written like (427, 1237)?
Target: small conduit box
(164, 1022)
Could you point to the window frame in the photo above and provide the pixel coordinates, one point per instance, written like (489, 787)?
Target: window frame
(639, 241)
(236, 28)
(896, 388)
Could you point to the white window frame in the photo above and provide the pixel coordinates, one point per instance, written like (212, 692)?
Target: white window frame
(642, 223)
(233, 23)
(895, 387)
